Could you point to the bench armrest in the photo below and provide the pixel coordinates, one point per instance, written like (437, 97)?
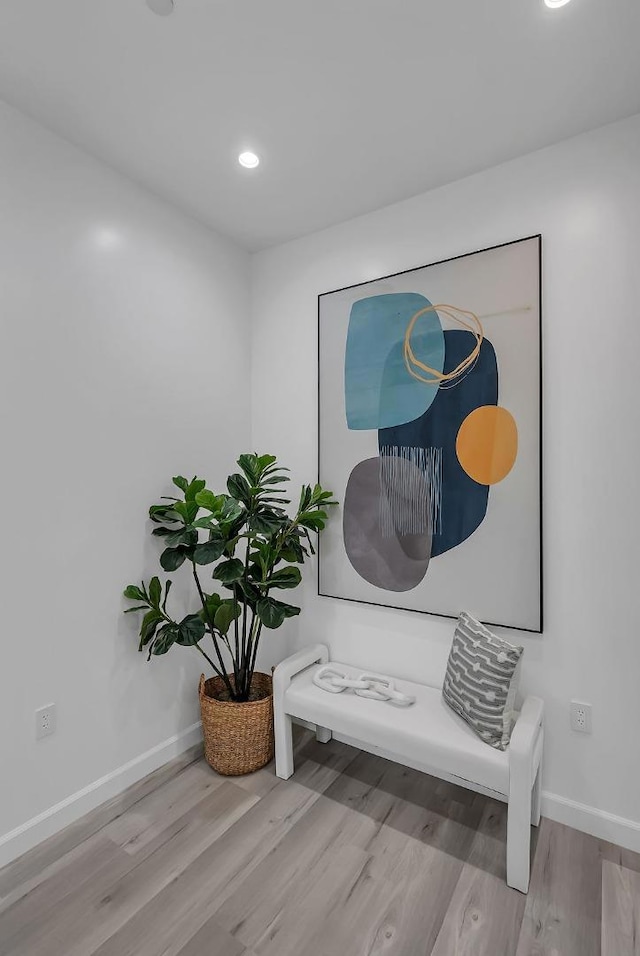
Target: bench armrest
(288, 668)
(526, 728)
(525, 747)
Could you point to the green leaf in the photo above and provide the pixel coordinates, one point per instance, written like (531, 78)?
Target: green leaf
(134, 593)
(180, 482)
(229, 571)
(274, 480)
(212, 603)
(270, 612)
(194, 488)
(166, 593)
(167, 636)
(289, 577)
(211, 550)
(257, 570)
(159, 514)
(290, 610)
(265, 460)
(315, 513)
(249, 465)
(185, 535)
(275, 472)
(231, 511)
(262, 549)
(172, 558)
(207, 499)
(313, 523)
(140, 607)
(248, 591)
(320, 496)
(305, 498)
(267, 522)
(293, 552)
(155, 591)
(208, 523)
(227, 612)
(148, 627)
(312, 550)
(190, 630)
(239, 489)
(187, 510)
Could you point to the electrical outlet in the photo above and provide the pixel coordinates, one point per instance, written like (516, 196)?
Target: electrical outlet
(46, 720)
(580, 716)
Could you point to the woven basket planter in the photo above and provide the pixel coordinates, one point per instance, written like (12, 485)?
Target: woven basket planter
(238, 738)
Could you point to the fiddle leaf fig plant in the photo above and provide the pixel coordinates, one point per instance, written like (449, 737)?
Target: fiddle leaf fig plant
(253, 550)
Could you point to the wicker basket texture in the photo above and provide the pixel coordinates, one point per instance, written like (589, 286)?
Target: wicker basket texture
(238, 738)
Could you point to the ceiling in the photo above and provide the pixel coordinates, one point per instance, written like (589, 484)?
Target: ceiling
(351, 104)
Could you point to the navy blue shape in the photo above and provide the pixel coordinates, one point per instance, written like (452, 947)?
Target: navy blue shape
(464, 501)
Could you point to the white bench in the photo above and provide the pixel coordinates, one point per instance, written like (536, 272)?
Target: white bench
(427, 736)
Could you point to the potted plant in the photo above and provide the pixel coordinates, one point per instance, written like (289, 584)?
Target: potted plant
(254, 549)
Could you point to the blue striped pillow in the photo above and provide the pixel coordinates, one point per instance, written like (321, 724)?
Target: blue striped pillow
(481, 681)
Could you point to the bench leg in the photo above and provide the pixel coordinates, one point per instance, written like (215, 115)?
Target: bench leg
(284, 746)
(323, 734)
(536, 799)
(519, 835)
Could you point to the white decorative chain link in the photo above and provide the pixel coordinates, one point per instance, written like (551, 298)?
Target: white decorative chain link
(373, 686)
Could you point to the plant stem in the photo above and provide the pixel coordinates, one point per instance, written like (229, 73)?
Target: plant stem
(255, 632)
(236, 628)
(243, 665)
(215, 669)
(255, 649)
(203, 599)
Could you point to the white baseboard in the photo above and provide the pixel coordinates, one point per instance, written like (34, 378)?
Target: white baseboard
(599, 823)
(29, 834)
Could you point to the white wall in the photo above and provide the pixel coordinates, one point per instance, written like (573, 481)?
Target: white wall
(584, 196)
(124, 360)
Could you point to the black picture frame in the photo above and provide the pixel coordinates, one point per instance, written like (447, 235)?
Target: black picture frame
(403, 272)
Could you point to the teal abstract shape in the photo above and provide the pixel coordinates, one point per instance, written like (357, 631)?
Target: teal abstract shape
(379, 391)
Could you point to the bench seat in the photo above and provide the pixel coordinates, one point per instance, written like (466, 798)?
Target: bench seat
(426, 736)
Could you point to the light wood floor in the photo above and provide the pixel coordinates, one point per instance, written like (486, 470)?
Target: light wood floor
(352, 856)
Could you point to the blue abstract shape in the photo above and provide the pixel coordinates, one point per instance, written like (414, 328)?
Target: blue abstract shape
(379, 391)
(464, 501)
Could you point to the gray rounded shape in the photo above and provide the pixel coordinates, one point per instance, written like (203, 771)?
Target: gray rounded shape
(374, 509)
(162, 7)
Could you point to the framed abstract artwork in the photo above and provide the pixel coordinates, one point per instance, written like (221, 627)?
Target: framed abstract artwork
(430, 429)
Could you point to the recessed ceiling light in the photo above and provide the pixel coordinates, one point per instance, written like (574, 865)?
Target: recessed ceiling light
(556, 3)
(162, 7)
(249, 160)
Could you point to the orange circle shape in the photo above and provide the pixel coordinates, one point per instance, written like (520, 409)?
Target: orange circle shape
(487, 444)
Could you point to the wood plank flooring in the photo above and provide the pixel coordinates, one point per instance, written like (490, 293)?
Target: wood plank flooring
(354, 856)
(620, 910)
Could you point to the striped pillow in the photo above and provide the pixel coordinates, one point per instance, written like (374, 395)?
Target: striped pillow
(482, 679)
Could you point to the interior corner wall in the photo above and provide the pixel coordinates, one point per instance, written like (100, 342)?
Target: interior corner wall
(124, 359)
(584, 197)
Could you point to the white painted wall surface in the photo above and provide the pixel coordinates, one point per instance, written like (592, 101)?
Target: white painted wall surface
(124, 355)
(584, 197)
(124, 360)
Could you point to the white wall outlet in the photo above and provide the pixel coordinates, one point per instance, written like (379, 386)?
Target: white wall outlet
(46, 720)
(580, 716)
